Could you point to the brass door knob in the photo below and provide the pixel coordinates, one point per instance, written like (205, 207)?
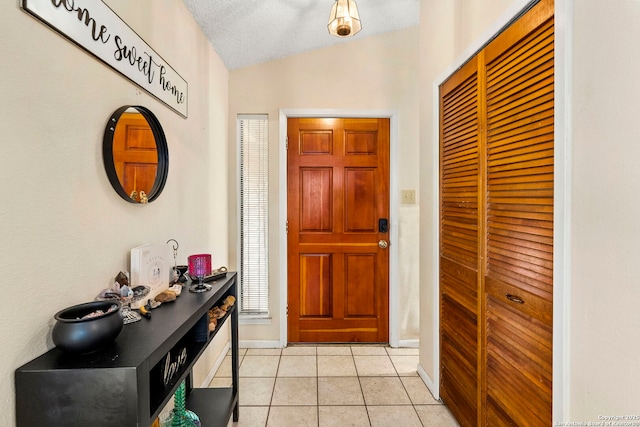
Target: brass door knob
(383, 244)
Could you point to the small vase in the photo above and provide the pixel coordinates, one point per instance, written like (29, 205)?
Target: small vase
(182, 417)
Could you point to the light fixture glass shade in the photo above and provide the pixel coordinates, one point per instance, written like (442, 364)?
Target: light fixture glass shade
(344, 20)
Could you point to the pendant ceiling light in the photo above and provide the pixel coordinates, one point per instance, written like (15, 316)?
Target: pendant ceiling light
(344, 20)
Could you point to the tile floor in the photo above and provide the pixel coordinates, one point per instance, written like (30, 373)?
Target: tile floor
(333, 386)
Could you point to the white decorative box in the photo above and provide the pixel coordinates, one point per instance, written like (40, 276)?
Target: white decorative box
(150, 266)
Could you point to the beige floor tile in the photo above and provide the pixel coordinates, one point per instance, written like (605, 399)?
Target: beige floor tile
(404, 351)
(259, 366)
(251, 416)
(263, 352)
(297, 366)
(339, 391)
(256, 391)
(241, 352)
(418, 391)
(436, 416)
(299, 350)
(368, 350)
(384, 391)
(293, 416)
(332, 350)
(393, 416)
(336, 366)
(374, 366)
(295, 392)
(405, 365)
(328, 385)
(221, 382)
(343, 416)
(224, 370)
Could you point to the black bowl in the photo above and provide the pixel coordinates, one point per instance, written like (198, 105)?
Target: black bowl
(73, 334)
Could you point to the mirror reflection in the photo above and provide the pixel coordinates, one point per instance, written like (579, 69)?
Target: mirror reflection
(135, 154)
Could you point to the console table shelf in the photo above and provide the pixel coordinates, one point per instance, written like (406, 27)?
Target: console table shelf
(123, 384)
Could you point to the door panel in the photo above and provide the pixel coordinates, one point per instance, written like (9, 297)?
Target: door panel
(518, 291)
(338, 189)
(359, 295)
(316, 142)
(315, 279)
(459, 224)
(316, 204)
(360, 208)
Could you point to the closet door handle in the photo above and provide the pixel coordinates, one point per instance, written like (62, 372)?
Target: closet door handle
(514, 298)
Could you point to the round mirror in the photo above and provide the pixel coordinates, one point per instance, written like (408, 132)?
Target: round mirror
(135, 154)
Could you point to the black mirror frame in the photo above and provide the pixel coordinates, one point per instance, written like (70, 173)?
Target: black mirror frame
(161, 146)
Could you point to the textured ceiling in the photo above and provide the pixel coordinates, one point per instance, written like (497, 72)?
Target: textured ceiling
(247, 32)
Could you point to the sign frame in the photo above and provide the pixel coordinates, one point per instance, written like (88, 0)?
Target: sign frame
(96, 28)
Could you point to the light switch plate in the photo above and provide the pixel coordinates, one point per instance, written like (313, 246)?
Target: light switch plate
(408, 197)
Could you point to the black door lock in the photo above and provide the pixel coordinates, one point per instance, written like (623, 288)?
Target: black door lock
(383, 225)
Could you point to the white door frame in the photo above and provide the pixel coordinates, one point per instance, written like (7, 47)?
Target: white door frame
(392, 115)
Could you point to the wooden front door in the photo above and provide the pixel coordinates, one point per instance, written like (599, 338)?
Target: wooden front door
(338, 201)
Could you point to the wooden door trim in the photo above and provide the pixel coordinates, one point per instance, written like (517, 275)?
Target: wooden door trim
(394, 197)
(562, 177)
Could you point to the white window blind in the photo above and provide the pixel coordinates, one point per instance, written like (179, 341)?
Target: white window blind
(253, 134)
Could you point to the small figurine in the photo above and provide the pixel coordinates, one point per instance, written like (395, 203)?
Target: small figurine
(143, 197)
(122, 279)
(125, 292)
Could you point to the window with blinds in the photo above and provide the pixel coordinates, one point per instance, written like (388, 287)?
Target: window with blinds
(253, 140)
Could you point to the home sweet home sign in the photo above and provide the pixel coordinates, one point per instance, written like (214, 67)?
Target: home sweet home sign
(92, 25)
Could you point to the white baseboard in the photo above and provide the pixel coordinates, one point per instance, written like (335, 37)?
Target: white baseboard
(408, 343)
(259, 344)
(435, 391)
(216, 365)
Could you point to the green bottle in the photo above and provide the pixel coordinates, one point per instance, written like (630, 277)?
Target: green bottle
(182, 417)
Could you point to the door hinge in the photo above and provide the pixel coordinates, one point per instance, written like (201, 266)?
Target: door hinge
(286, 142)
(287, 309)
(287, 227)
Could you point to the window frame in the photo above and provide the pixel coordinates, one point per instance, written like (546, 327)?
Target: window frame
(262, 313)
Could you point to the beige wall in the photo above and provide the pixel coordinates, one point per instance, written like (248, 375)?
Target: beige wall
(597, 319)
(65, 232)
(605, 296)
(373, 73)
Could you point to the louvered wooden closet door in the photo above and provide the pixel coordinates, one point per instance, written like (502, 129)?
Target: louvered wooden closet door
(459, 244)
(496, 228)
(519, 221)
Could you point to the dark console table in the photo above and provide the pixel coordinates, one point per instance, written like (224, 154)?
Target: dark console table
(123, 384)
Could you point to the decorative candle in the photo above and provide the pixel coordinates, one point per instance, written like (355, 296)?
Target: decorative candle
(199, 265)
